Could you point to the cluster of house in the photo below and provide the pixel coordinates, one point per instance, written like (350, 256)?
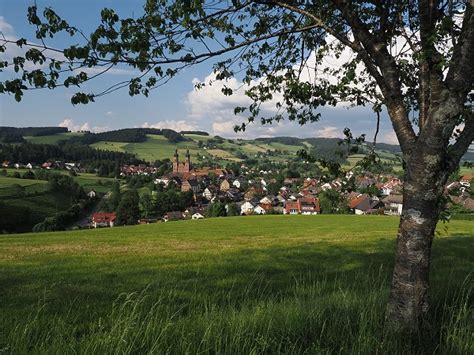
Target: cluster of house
(101, 219)
(252, 197)
(141, 169)
(295, 196)
(48, 165)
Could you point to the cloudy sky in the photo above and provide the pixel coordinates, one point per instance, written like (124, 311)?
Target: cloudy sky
(177, 105)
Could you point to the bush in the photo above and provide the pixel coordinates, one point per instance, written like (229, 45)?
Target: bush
(29, 175)
(61, 220)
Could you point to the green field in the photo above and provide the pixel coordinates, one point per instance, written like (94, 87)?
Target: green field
(52, 139)
(35, 195)
(86, 180)
(94, 182)
(18, 194)
(8, 186)
(261, 284)
(156, 147)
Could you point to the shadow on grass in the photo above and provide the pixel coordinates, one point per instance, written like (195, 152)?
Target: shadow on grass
(95, 283)
(313, 297)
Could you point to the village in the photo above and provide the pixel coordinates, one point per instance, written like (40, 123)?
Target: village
(260, 192)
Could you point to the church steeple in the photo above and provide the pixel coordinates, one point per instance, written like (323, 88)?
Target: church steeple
(187, 162)
(176, 161)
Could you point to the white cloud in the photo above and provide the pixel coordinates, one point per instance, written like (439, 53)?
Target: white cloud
(177, 126)
(390, 138)
(223, 128)
(109, 113)
(212, 110)
(73, 127)
(209, 107)
(5, 27)
(329, 132)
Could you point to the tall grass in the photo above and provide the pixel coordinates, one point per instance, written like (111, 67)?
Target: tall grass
(318, 316)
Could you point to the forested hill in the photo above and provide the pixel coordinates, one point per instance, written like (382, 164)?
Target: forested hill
(39, 153)
(129, 135)
(324, 142)
(152, 144)
(15, 135)
(33, 131)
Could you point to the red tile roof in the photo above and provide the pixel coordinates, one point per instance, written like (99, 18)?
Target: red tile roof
(104, 217)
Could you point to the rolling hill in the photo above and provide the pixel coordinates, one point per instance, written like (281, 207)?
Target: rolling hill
(153, 144)
(279, 149)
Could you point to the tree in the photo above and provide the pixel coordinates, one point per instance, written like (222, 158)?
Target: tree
(233, 209)
(413, 58)
(115, 196)
(146, 206)
(128, 211)
(216, 209)
(329, 201)
(29, 175)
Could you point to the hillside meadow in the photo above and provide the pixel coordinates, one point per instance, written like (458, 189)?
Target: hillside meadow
(261, 284)
(30, 201)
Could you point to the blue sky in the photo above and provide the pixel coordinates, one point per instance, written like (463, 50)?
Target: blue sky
(177, 105)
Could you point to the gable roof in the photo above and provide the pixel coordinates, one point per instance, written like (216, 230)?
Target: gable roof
(393, 199)
(355, 201)
(104, 217)
(174, 215)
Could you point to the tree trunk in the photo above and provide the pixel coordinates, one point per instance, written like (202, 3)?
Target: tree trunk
(408, 303)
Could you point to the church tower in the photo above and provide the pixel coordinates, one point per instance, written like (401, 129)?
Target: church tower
(187, 163)
(175, 162)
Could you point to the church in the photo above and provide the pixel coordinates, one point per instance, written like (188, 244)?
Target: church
(184, 167)
(184, 170)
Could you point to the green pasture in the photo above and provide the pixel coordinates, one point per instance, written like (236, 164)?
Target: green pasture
(94, 182)
(110, 146)
(8, 186)
(40, 206)
(259, 284)
(51, 139)
(155, 148)
(197, 137)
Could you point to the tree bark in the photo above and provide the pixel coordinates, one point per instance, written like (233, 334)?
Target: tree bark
(408, 302)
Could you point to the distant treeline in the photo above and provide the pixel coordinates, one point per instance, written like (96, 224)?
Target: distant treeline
(127, 135)
(197, 133)
(282, 140)
(11, 137)
(32, 131)
(39, 153)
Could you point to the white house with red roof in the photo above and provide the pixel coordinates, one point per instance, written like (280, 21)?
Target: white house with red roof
(103, 219)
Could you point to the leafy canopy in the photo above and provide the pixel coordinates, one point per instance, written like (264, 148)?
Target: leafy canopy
(277, 48)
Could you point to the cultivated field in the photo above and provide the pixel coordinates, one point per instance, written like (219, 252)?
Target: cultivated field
(262, 284)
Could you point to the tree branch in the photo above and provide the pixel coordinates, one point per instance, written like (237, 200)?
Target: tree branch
(181, 59)
(460, 77)
(463, 142)
(389, 81)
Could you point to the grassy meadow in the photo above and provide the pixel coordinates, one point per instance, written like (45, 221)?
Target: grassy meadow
(158, 147)
(9, 185)
(17, 194)
(52, 139)
(260, 284)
